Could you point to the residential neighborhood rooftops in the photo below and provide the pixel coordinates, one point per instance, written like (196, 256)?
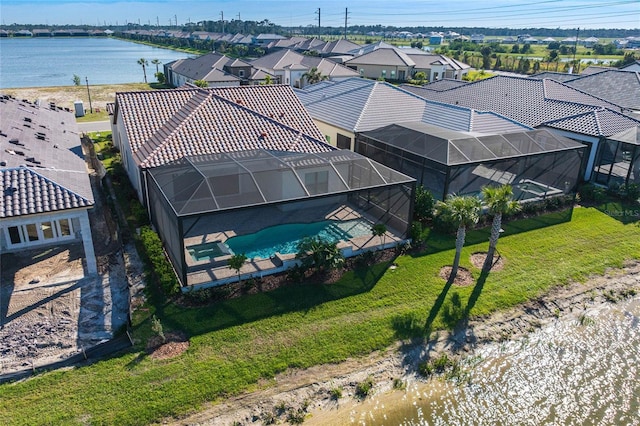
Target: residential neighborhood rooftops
(526, 100)
(166, 125)
(282, 59)
(42, 167)
(619, 87)
(360, 105)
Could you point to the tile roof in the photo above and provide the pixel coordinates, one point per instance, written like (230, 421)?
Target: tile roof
(602, 123)
(40, 152)
(359, 105)
(207, 67)
(383, 56)
(558, 76)
(165, 125)
(525, 100)
(282, 59)
(618, 87)
(427, 60)
(444, 84)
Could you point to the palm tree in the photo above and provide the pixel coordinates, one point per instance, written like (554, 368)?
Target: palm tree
(143, 62)
(314, 76)
(460, 211)
(499, 201)
(379, 230)
(156, 62)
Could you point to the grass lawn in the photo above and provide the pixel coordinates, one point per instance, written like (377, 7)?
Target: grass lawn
(236, 343)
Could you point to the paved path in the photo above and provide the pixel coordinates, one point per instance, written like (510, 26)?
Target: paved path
(95, 126)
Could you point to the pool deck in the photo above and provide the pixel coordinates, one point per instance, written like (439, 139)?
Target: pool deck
(202, 274)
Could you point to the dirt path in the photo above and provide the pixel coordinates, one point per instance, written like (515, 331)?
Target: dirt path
(309, 390)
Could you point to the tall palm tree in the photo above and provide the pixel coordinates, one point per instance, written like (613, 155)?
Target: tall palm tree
(499, 201)
(143, 62)
(460, 211)
(314, 76)
(156, 62)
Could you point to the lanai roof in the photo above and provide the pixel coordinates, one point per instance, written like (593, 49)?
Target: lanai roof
(263, 175)
(452, 148)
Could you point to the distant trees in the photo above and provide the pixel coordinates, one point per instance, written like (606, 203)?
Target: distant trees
(76, 80)
(143, 63)
(156, 62)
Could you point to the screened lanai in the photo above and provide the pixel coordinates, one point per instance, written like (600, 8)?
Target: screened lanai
(537, 163)
(618, 160)
(200, 205)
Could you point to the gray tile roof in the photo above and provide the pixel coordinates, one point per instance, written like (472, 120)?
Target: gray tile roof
(427, 61)
(631, 136)
(618, 87)
(282, 59)
(383, 56)
(525, 100)
(602, 123)
(40, 156)
(163, 126)
(360, 105)
(558, 76)
(207, 67)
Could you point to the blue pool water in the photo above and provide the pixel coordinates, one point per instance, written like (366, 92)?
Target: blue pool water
(285, 238)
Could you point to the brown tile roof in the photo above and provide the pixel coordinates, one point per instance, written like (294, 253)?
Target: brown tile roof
(164, 126)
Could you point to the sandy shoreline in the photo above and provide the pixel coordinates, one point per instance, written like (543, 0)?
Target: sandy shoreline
(312, 386)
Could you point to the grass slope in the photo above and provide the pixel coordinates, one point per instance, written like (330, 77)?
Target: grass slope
(236, 343)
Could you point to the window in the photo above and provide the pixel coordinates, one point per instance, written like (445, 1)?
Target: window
(32, 232)
(361, 71)
(384, 73)
(14, 235)
(317, 182)
(47, 230)
(344, 142)
(241, 73)
(393, 74)
(65, 227)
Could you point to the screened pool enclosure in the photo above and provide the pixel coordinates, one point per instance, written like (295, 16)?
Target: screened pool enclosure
(199, 203)
(618, 160)
(537, 163)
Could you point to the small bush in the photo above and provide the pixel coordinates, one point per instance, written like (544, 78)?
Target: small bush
(296, 417)
(416, 232)
(161, 270)
(336, 393)
(364, 388)
(591, 193)
(157, 328)
(398, 384)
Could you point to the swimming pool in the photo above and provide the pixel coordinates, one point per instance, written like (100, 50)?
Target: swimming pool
(285, 238)
(207, 251)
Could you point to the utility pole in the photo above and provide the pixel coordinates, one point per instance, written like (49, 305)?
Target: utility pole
(157, 21)
(89, 94)
(318, 12)
(575, 47)
(176, 17)
(222, 19)
(346, 15)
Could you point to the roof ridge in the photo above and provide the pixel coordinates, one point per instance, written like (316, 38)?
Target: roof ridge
(170, 127)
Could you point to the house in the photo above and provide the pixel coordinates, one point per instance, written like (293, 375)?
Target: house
(634, 66)
(289, 67)
(46, 193)
(266, 39)
(477, 38)
(401, 65)
(214, 68)
(536, 163)
(536, 103)
(222, 166)
(590, 42)
(343, 109)
(435, 38)
(620, 87)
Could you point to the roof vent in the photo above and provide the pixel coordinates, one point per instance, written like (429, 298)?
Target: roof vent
(3, 163)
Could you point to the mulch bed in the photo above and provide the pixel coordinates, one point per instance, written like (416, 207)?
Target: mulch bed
(463, 277)
(477, 260)
(175, 344)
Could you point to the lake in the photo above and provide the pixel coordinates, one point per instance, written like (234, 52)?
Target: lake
(43, 62)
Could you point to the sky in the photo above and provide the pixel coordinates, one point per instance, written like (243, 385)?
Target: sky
(584, 14)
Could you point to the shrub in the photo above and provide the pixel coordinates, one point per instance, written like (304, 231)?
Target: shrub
(336, 393)
(161, 270)
(591, 193)
(423, 204)
(416, 232)
(364, 388)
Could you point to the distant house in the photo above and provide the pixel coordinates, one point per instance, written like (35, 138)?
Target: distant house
(23, 33)
(435, 38)
(289, 67)
(215, 69)
(477, 38)
(46, 193)
(394, 64)
(590, 41)
(570, 40)
(265, 39)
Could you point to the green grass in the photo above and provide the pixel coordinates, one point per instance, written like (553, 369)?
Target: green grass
(236, 343)
(104, 147)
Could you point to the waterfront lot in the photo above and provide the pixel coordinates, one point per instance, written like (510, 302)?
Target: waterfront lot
(243, 343)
